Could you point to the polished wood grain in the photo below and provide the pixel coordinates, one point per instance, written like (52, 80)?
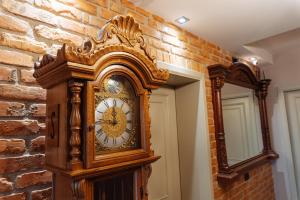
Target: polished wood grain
(71, 79)
(241, 75)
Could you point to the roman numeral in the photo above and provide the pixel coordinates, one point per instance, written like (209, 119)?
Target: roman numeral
(114, 140)
(100, 121)
(99, 112)
(127, 112)
(106, 104)
(99, 132)
(124, 139)
(122, 105)
(115, 103)
(128, 130)
(106, 139)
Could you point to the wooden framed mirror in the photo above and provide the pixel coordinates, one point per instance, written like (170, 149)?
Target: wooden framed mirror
(240, 117)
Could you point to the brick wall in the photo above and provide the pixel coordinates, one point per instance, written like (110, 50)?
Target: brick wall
(30, 28)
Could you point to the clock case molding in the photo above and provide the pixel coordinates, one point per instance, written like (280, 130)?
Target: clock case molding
(241, 75)
(69, 78)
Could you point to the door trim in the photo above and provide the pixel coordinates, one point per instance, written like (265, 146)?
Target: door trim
(282, 145)
(206, 181)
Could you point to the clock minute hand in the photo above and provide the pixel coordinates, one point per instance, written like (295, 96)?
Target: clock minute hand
(103, 121)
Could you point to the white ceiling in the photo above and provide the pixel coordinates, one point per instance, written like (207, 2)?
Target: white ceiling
(232, 24)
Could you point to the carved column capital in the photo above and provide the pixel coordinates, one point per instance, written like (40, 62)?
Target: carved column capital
(262, 91)
(219, 82)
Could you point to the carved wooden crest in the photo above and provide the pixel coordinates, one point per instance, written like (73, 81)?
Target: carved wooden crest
(238, 73)
(120, 34)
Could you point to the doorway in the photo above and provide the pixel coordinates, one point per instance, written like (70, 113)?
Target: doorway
(292, 100)
(164, 183)
(179, 131)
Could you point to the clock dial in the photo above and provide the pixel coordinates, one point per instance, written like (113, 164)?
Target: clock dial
(113, 122)
(116, 116)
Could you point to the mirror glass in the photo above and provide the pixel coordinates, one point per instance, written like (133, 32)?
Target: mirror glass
(242, 123)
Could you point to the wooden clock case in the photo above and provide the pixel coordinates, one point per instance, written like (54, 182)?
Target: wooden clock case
(70, 78)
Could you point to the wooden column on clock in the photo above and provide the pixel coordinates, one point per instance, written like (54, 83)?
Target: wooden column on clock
(98, 141)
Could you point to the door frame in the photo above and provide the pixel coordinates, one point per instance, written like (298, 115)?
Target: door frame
(283, 168)
(188, 77)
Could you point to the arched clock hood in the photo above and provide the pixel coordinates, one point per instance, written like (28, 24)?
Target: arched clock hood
(121, 37)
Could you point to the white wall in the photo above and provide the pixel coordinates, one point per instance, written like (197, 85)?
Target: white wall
(193, 142)
(285, 75)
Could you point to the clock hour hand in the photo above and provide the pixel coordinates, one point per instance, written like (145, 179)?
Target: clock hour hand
(114, 113)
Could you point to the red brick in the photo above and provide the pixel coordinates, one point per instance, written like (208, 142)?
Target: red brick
(158, 18)
(38, 144)
(11, 108)
(72, 25)
(18, 196)
(33, 178)
(14, 24)
(106, 14)
(151, 32)
(96, 21)
(27, 76)
(15, 58)
(60, 9)
(12, 146)
(22, 92)
(128, 4)
(152, 23)
(116, 7)
(44, 194)
(7, 74)
(173, 40)
(19, 127)
(170, 29)
(16, 164)
(22, 42)
(5, 185)
(58, 35)
(38, 110)
(102, 3)
(29, 11)
(82, 5)
(143, 12)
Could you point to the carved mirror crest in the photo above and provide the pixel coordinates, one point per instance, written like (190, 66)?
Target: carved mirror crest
(240, 116)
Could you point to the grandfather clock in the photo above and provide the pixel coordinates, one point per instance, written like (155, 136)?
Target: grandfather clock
(98, 141)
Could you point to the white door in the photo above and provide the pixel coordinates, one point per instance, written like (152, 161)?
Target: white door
(242, 128)
(235, 114)
(164, 183)
(293, 113)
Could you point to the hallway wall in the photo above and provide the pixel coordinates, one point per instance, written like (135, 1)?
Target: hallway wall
(285, 76)
(31, 28)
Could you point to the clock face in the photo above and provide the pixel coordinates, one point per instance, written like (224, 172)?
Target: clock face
(116, 116)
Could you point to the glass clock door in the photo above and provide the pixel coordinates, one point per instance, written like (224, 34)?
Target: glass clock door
(116, 116)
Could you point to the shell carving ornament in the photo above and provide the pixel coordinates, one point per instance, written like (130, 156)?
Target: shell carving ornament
(120, 34)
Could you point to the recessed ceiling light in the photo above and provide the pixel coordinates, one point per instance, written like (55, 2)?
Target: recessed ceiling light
(253, 60)
(182, 20)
